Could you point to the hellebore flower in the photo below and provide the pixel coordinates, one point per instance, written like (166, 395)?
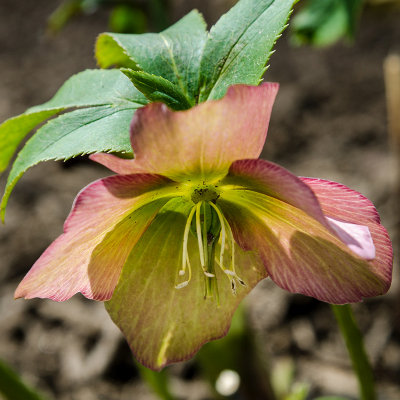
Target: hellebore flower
(185, 230)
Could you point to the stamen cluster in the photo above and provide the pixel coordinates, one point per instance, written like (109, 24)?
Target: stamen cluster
(208, 224)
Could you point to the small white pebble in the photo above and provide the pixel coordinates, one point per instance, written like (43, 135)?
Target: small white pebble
(227, 383)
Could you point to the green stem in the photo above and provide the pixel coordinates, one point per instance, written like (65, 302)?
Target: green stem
(355, 346)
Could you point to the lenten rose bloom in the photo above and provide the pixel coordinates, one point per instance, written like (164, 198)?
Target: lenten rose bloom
(184, 231)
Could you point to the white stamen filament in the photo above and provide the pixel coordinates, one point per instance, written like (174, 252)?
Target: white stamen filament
(204, 238)
(230, 234)
(185, 255)
(220, 263)
(223, 233)
(199, 236)
(232, 272)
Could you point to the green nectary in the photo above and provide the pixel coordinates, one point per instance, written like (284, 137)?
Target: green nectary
(204, 193)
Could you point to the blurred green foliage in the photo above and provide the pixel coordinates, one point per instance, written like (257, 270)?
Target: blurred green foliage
(126, 16)
(317, 22)
(324, 22)
(13, 388)
(127, 19)
(242, 352)
(283, 381)
(237, 351)
(332, 398)
(157, 381)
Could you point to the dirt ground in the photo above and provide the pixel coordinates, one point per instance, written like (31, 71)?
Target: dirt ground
(329, 121)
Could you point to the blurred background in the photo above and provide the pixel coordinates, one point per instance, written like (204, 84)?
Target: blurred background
(329, 121)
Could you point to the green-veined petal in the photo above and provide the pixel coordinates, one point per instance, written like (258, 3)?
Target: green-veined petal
(161, 323)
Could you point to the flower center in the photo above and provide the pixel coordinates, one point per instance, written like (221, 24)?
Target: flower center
(207, 223)
(204, 193)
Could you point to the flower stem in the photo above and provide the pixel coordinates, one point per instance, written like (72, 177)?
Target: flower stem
(355, 346)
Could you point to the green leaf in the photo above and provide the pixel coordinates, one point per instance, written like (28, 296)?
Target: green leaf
(173, 54)
(239, 45)
(93, 88)
(13, 130)
(102, 127)
(96, 129)
(158, 89)
(88, 88)
(13, 388)
(165, 67)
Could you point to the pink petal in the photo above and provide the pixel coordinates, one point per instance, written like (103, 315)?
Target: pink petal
(357, 237)
(300, 254)
(272, 179)
(339, 201)
(89, 255)
(346, 205)
(269, 178)
(204, 140)
(116, 164)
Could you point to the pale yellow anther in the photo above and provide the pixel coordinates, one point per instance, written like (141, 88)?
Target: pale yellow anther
(182, 285)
